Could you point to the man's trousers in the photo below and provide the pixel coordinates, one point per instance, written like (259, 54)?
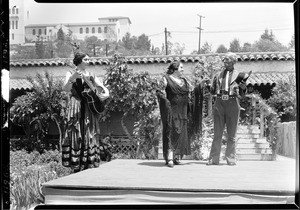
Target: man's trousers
(226, 112)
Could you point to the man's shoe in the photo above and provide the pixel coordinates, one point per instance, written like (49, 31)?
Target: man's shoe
(176, 161)
(231, 161)
(210, 162)
(170, 163)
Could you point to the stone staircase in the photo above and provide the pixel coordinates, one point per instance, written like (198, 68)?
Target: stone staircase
(250, 146)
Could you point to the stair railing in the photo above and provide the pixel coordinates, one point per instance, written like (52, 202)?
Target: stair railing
(258, 102)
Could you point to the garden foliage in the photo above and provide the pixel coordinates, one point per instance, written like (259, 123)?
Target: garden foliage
(283, 99)
(35, 110)
(28, 171)
(133, 94)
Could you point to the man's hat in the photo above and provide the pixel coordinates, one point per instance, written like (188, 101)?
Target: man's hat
(242, 76)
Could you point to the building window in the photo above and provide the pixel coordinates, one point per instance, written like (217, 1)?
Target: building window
(105, 29)
(16, 24)
(40, 31)
(13, 10)
(13, 25)
(87, 30)
(13, 36)
(33, 32)
(17, 11)
(45, 31)
(81, 30)
(93, 30)
(99, 30)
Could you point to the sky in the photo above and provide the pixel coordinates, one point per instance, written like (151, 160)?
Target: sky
(221, 22)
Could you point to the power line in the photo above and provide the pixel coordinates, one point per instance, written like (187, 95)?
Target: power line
(228, 31)
(156, 34)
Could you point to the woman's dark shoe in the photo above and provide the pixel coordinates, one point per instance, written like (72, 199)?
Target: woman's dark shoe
(231, 161)
(210, 162)
(176, 161)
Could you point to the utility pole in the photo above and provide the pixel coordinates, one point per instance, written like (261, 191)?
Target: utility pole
(200, 33)
(166, 41)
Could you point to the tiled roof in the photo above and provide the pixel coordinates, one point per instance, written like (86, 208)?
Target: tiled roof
(158, 59)
(256, 78)
(270, 78)
(19, 84)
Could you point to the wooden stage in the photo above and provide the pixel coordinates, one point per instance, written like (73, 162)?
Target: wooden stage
(151, 182)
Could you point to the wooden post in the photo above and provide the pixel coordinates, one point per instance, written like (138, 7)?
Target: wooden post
(262, 123)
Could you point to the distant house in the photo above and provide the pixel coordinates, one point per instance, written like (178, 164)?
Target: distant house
(110, 28)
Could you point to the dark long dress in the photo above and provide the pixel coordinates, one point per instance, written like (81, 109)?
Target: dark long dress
(80, 144)
(174, 113)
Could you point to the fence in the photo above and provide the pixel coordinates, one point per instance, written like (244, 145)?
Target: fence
(286, 144)
(122, 145)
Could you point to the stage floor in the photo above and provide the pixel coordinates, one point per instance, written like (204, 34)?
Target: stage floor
(151, 182)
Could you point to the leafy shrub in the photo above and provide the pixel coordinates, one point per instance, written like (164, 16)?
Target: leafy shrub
(202, 142)
(35, 110)
(283, 99)
(148, 131)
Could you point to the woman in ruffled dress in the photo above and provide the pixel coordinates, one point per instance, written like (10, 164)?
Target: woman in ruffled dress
(80, 145)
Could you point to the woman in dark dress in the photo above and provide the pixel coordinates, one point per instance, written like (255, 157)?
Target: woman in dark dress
(81, 141)
(174, 113)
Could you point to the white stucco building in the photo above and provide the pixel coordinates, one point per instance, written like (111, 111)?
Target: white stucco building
(18, 18)
(110, 28)
(20, 32)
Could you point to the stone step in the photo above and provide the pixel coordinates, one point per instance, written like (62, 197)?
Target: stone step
(245, 130)
(252, 145)
(253, 151)
(248, 127)
(247, 135)
(254, 157)
(252, 140)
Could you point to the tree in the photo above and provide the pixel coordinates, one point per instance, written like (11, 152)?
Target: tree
(268, 35)
(206, 48)
(155, 50)
(247, 47)
(128, 41)
(292, 43)
(235, 46)
(268, 43)
(222, 49)
(143, 43)
(35, 110)
(60, 35)
(178, 49)
(130, 93)
(40, 47)
(265, 45)
(22, 52)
